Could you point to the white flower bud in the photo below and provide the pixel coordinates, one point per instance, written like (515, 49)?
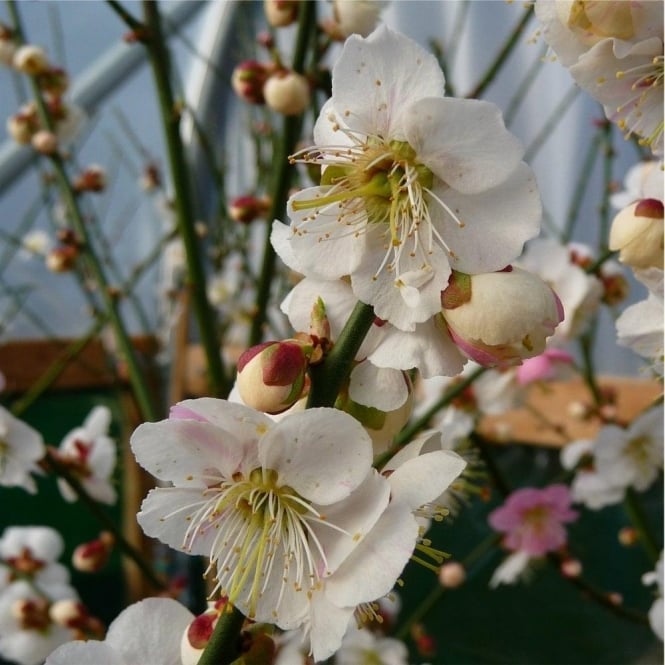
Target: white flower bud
(504, 317)
(287, 93)
(356, 16)
(45, 142)
(637, 233)
(30, 60)
(280, 13)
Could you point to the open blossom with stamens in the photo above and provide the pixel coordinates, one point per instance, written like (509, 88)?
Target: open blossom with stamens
(413, 184)
(89, 453)
(256, 496)
(614, 51)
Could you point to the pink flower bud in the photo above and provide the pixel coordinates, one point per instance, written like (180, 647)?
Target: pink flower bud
(245, 209)
(508, 317)
(7, 45)
(452, 574)
(69, 613)
(92, 556)
(271, 376)
(356, 16)
(637, 233)
(248, 79)
(53, 81)
(280, 13)
(92, 179)
(197, 635)
(287, 93)
(62, 259)
(22, 125)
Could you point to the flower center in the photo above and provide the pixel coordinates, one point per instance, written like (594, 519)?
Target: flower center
(262, 537)
(637, 451)
(647, 88)
(373, 182)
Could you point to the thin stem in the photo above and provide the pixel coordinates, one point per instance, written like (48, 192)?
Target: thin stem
(329, 376)
(604, 207)
(89, 257)
(223, 647)
(284, 172)
(503, 54)
(160, 61)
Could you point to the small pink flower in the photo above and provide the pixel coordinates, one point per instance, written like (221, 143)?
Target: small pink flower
(533, 519)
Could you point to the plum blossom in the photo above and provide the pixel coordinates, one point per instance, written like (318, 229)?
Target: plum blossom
(619, 458)
(414, 184)
(640, 326)
(146, 632)
(89, 453)
(27, 633)
(32, 553)
(656, 609)
(533, 519)
(363, 646)
(21, 447)
(614, 51)
(643, 180)
(253, 495)
(579, 292)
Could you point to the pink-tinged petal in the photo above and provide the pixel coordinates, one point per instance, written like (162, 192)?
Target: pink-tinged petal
(150, 631)
(372, 568)
(496, 223)
(429, 348)
(245, 423)
(543, 367)
(464, 142)
(324, 454)
(384, 389)
(424, 478)
(374, 79)
(355, 516)
(183, 451)
(85, 653)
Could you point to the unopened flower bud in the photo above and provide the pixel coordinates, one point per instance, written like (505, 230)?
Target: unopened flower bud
(7, 45)
(92, 556)
(356, 16)
(571, 568)
(507, 317)
(93, 179)
(627, 536)
(248, 79)
(53, 81)
(280, 13)
(22, 125)
(271, 376)
(245, 209)
(30, 60)
(615, 284)
(69, 613)
(452, 574)
(287, 92)
(62, 259)
(45, 142)
(637, 233)
(197, 635)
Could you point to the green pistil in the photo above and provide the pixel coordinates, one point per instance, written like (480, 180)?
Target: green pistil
(377, 186)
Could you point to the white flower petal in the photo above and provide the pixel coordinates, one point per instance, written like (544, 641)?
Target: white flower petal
(149, 632)
(463, 141)
(328, 624)
(497, 222)
(86, 653)
(385, 389)
(322, 453)
(376, 77)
